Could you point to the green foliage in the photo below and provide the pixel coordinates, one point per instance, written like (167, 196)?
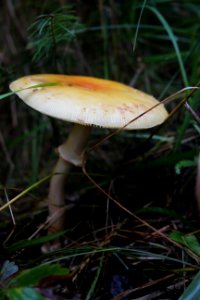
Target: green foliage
(22, 285)
(24, 293)
(192, 292)
(188, 240)
(185, 164)
(160, 211)
(50, 31)
(96, 278)
(33, 186)
(36, 241)
(172, 37)
(31, 277)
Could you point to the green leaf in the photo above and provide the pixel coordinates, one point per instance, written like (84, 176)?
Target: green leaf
(192, 292)
(185, 164)
(24, 294)
(192, 243)
(177, 236)
(160, 210)
(188, 240)
(37, 241)
(31, 277)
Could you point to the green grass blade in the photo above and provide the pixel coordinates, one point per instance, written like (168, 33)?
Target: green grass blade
(3, 96)
(173, 40)
(192, 292)
(138, 25)
(94, 283)
(33, 186)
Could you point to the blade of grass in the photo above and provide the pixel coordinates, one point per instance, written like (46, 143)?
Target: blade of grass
(3, 96)
(141, 254)
(192, 292)
(167, 27)
(24, 192)
(94, 283)
(138, 25)
(173, 40)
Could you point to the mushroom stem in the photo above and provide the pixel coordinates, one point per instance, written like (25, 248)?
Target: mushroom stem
(70, 153)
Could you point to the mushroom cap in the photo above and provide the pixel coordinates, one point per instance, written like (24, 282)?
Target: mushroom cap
(90, 101)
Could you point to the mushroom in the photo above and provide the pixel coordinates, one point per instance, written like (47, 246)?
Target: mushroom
(85, 101)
